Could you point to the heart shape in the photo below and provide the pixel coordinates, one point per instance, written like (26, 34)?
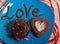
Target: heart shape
(40, 26)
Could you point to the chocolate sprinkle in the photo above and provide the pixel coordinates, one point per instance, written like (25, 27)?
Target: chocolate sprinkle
(20, 28)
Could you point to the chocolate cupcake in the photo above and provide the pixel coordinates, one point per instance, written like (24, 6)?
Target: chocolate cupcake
(40, 26)
(20, 28)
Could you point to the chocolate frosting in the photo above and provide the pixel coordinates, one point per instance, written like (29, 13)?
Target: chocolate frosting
(20, 28)
(35, 30)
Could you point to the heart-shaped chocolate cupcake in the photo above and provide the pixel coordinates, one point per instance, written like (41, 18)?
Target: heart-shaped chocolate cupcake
(40, 26)
(20, 28)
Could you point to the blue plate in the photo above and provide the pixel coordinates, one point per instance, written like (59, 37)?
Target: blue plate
(19, 4)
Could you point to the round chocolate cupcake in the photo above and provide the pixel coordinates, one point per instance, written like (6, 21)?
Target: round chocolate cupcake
(20, 28)
(40, 26)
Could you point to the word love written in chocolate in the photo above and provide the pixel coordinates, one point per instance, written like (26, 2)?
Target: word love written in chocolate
(27, 11)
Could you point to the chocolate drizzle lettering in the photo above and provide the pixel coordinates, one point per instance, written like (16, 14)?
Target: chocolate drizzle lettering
(27, 12)
(20, 11)
(6, 16)
(34, 12)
